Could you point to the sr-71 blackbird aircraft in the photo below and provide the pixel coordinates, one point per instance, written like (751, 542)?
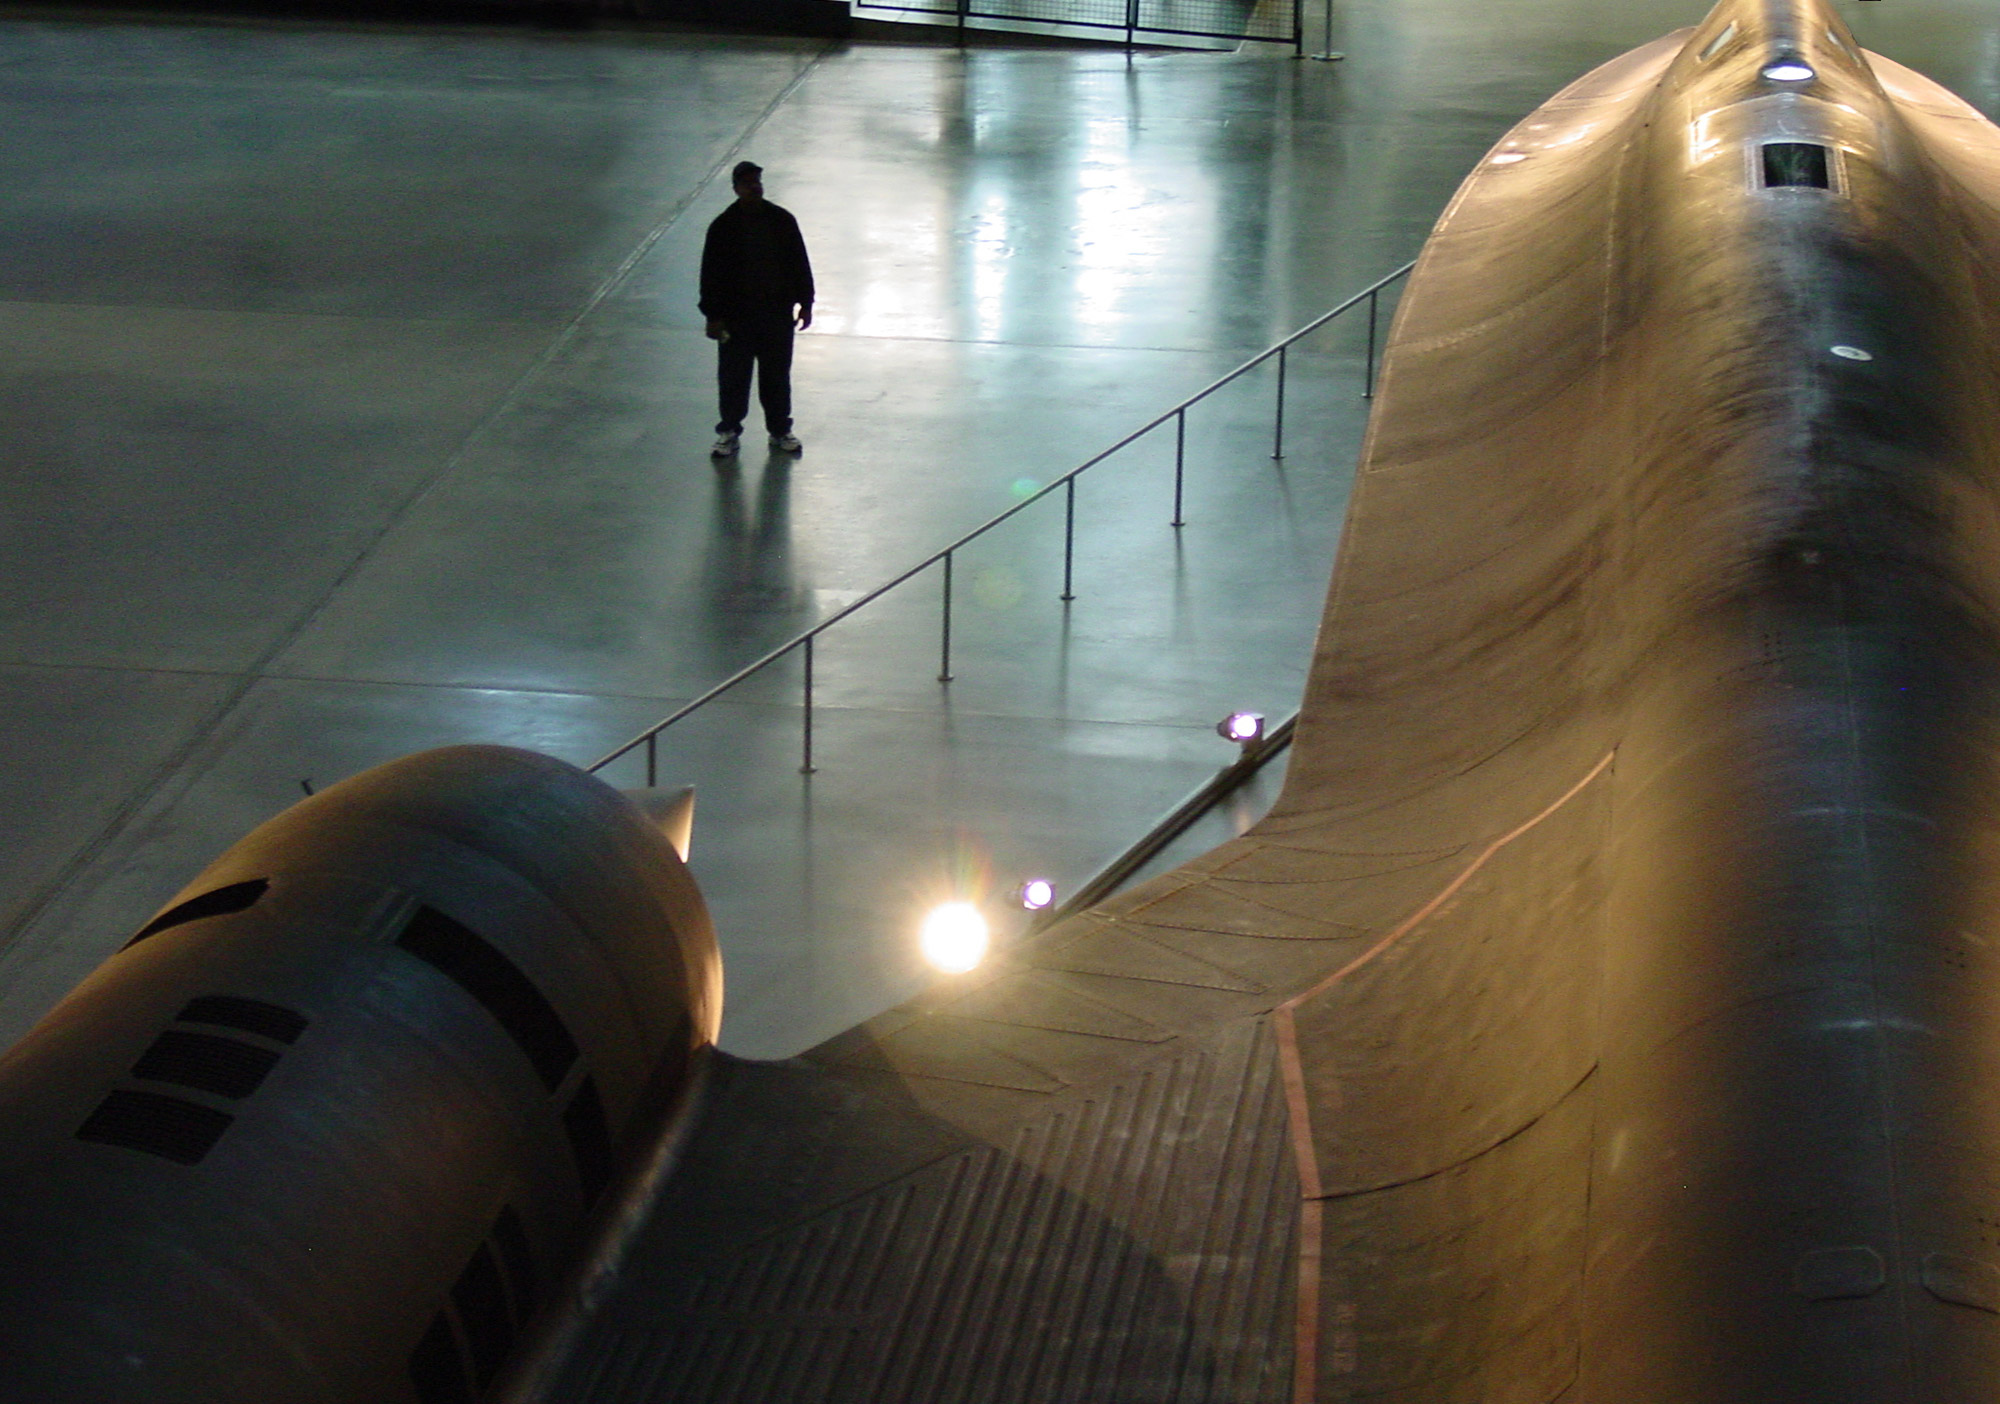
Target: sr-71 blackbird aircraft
(1608, 1012)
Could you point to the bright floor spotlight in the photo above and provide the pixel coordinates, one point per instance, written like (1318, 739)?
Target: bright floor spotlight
(1038, 894)
(1244, 728)
(954, 937)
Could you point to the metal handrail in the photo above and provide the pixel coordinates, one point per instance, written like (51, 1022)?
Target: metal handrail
(649, 738)
(957, 13)
(1170, 826)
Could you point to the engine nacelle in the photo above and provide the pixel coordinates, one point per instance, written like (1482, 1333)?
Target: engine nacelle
(333, 1122)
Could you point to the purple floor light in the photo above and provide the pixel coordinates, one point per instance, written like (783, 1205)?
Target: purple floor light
(1244, 728)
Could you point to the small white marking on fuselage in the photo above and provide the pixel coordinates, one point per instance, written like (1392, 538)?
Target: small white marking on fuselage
(1873, 1025)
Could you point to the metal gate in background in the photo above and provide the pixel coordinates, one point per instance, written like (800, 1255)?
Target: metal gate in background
(1265, 21)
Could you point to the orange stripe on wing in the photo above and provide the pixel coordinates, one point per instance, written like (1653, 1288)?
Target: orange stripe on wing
(1305, 1364)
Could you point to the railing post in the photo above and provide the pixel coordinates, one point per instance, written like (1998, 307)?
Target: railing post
(1180, 462)
(806, 765)
(944, 649)
(1069, 536)
(1278, 431)
(1326, 53)
(652, 759)
(1368, 386)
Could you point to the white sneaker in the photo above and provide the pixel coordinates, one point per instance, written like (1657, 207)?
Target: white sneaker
(725, 446)
(786, 443)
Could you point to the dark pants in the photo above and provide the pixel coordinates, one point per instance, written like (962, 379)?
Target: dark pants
(766, 339)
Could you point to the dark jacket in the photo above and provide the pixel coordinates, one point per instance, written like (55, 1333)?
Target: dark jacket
(754, 263)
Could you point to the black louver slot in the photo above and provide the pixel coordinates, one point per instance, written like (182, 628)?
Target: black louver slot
(237, 897)
(477, 967)
(249, 1015)
(437, 1369)
(510, 1238)
(480, 1299)
(467, 1343)
(226, 1067)
(168, 1127)
(589, 1139)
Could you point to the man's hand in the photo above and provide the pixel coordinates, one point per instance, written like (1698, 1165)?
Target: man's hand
(805, 315)
(716, 330)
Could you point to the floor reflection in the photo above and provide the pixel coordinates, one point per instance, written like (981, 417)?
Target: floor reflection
(750, 584)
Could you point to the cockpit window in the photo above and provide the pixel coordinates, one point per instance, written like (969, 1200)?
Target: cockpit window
(1716, 45)
(1796, 163)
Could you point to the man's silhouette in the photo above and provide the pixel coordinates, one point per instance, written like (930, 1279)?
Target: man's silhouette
(756, 285)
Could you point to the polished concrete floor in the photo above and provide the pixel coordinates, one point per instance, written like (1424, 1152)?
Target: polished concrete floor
(353, 400)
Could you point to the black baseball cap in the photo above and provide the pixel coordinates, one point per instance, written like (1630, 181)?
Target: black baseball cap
(745, 170)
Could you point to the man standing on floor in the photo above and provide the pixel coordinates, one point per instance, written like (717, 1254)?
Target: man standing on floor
(756, 285)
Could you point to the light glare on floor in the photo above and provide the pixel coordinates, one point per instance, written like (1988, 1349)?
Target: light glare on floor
(1788, 71)
(954, 937)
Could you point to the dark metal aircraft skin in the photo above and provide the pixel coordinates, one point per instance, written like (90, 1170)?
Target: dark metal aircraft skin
(329, 1129)
(1610, 1009)
(1677, 540)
